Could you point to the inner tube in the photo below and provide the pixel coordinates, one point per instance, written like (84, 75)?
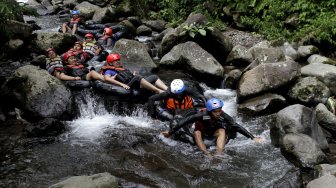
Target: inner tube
(77, 84)
(113, 89)
(186, 135)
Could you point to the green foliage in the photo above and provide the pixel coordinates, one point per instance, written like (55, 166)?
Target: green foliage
(194, 29)
(313, 19)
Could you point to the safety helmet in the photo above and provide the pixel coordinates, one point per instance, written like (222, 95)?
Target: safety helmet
(67, 55)
(79, 43)
(50, 49)
(112, 57)
(108, 31)
(177, 86)
(89, 35)
(213, 104)
(74, 12)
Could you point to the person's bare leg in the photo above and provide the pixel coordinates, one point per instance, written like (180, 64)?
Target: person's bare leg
(64, 28)
(93, 75)
(145, 84)
(220, 143)
(160, 84)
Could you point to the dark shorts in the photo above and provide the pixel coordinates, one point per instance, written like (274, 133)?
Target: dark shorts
(83, 77)
(152, 78)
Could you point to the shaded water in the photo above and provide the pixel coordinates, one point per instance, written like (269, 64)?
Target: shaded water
(131, 148)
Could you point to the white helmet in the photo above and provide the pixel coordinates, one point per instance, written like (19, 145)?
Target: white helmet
(177, 86)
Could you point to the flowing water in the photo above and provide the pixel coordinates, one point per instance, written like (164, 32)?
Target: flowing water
(132, 148)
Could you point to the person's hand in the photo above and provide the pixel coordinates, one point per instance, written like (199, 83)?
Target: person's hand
(77, 78)
(125, 86)
(258, 139)
(166, 134)
(208, 155)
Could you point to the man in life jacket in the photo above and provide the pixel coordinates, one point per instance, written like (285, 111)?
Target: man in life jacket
(177, 98)
(77, 70)
(212, 123)
(78, 51)
(72, 26)
(116, 74)
(55, 66)
(94, 52)
(107, 40)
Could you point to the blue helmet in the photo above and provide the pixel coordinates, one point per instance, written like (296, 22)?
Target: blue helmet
(213, 104)
(74, 12)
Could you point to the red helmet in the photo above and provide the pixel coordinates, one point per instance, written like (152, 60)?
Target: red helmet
(89, 35)
(67, 55)
(108, 31)
(50, 49)
(79, 43)
(112, 57)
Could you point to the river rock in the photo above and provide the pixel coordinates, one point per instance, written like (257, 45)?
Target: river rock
(38, 93)
(87, 9)
(324, 72)
(102, 180)
(265, 104)
(61, 42)
(192, 57)
(326, 119)
(134, 55)
(327, 181)
(239, 56)
(324, 169)
(306, 51)
(297, 119)
(266, 78)
(302, 150)
(320, 59)
(309, 90)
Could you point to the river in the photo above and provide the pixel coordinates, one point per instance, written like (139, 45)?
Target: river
(129, 145)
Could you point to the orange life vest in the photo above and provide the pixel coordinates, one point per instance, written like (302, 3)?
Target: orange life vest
(173, 104)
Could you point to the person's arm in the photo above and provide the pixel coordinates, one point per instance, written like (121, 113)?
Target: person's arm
(112, 80)
(238, 127)
(151, 102)
(185, 121)
(200, 143)
(109, 44)
(74, 29)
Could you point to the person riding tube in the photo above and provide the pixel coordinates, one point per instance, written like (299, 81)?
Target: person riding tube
(177, 98)
(212, 123)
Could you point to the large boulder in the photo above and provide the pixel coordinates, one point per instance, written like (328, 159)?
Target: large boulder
(193, 58)
(239, 56)
(310, 91)
(87, 9)
(61, 42)
(38, 93)
(134, 55)
(267, 77)
(324, 72)
(327, 181)
(326, 119)
(297, 119)
(320, 59)
(302, 150)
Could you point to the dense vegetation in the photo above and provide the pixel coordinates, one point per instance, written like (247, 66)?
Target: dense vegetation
(301, 20)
